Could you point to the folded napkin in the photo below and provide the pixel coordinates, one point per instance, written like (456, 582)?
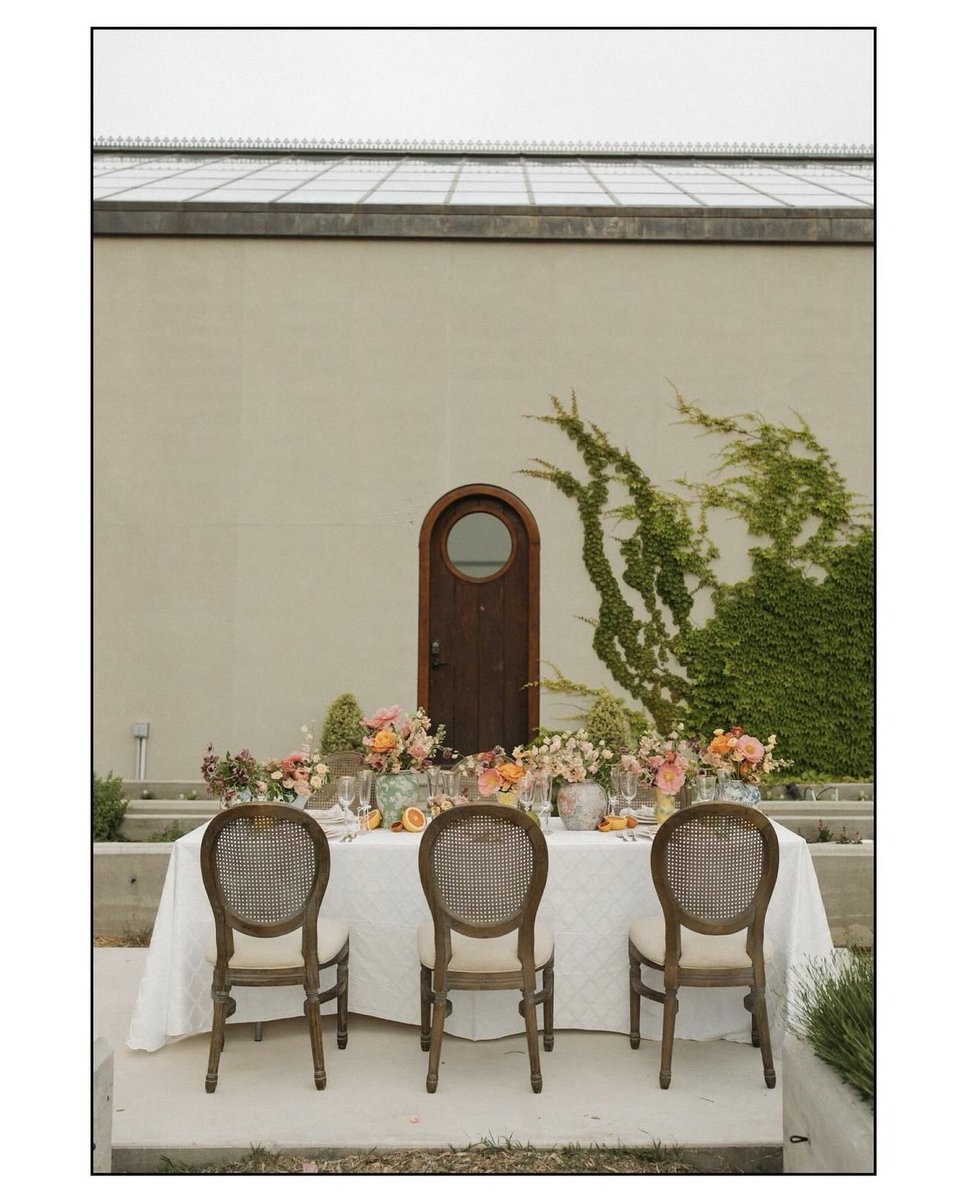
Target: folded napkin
(331, 816)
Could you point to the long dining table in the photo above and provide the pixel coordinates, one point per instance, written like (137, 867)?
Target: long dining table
(596, 885)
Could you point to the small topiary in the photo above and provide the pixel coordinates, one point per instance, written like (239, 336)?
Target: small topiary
(607, 719)
(342, 729)
(107, 808)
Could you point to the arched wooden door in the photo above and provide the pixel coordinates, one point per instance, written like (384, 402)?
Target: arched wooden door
(479, 620)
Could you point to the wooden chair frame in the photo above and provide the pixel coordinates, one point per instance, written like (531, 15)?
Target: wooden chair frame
(752, 918)
(228, 919)
(436, 982)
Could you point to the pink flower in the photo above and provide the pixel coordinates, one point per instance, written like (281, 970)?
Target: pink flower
(489, 782)
(751, 749)
(629, 762)
(669, 778)
(382, 716)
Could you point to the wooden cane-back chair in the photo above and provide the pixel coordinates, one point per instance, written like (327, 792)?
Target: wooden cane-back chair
(483, 868)
(348, 762)
(714, 867)
(265, 868)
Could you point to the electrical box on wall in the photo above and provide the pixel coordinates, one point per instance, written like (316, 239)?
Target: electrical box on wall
(140, 729)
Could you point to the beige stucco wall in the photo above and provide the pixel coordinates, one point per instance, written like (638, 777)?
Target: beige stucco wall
(274, 418)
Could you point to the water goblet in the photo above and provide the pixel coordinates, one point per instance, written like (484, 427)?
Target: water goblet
(705, 789)
(346, 785)
(450, 784)
(365, 779)
(628, 783)
(524, 793)
(542, 801)
(614, 790)
(432, 775)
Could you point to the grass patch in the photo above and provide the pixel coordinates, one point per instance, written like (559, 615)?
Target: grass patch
(480, 1158)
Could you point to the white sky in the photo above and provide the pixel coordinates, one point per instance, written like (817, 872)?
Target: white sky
(603, 85)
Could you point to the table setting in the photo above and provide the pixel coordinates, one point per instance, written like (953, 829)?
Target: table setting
(599, 881)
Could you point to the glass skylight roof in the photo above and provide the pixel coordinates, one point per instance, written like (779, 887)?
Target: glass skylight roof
(410, 179)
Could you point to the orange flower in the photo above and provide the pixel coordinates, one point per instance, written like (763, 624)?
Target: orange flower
(384, 740)
(511, 771)
(719, 745)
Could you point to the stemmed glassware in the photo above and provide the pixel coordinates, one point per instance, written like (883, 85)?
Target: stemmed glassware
(346, 785)
(614, 790)
(524, 793)
(450, 783)
(628, 784)
(432, 774)
(705, 788)
(541, 800)
(365, 779)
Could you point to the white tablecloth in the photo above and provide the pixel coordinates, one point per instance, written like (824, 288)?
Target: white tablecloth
(597, 884)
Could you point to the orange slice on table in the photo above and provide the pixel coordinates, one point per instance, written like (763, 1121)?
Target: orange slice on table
(631, 822)
(413, 819)
(605, 826)
(397, 827)
(374, 818)
(617, 822)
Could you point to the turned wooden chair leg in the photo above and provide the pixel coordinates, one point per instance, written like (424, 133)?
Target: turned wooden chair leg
(425, 989)
(312, 1010)
(529, 1010)
(634, 1001)
(761, 1019)
(435, 1043)
(547, 979)
(217, 1037)
(342, 1002)
(668, 1036)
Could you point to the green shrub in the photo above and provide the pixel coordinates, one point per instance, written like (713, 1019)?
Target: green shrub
(342, 725)
(833, 1012)
(107, 809)
(171, 833)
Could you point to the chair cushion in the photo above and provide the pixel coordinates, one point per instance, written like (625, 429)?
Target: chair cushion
(253, 953)
(698, 949)
(485, 955)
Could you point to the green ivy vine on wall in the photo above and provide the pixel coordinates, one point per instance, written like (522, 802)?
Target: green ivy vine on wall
(789, 650)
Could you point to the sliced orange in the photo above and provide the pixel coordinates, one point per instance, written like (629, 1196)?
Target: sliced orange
(413, 819)
(617, 822)
(397, 827)
(374, 818)
(632, 822)
(605, 826)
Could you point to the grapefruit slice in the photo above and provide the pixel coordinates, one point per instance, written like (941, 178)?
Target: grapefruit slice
(413, 819)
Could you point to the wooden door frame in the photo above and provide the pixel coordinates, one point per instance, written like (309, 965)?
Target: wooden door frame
(533, 589)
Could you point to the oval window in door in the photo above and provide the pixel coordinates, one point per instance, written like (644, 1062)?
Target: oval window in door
(478, 545)
(479, 644)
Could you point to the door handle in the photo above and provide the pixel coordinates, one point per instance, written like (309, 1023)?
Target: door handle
(436, 655)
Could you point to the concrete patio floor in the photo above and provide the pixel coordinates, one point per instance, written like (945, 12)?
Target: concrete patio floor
(596, 1090)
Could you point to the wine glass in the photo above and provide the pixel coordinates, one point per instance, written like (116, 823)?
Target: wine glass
(432, 774)
(614, 790)
(450, 784)
(542, 801)
(628, 783)
(346, 785)
(524, 793)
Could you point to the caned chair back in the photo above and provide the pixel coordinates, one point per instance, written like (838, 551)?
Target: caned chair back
(483, 868)
(348, 762)
(265, 867)
(714, 867)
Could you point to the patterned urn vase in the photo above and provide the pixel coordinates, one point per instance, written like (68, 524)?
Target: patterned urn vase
(394, 792)
(737, 791)
(581, 805)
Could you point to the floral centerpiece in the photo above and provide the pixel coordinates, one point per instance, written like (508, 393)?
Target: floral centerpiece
(741, 761)
(497, 773)
(397, 741)
(580, 766)
(397, 746)
(665, 763)
(236, 778)
(742, 756)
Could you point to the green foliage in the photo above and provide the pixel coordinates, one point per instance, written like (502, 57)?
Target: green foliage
(788, 650)
(342, 730)
(171, 833)
(833, 1011)
(606, 716)
(107, 808)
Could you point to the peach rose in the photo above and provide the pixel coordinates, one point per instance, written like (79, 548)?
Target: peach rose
(384, 740)
(511, 771)
(719, 745)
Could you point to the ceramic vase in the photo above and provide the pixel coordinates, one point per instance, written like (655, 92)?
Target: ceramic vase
(396, 792)
(581, 805)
